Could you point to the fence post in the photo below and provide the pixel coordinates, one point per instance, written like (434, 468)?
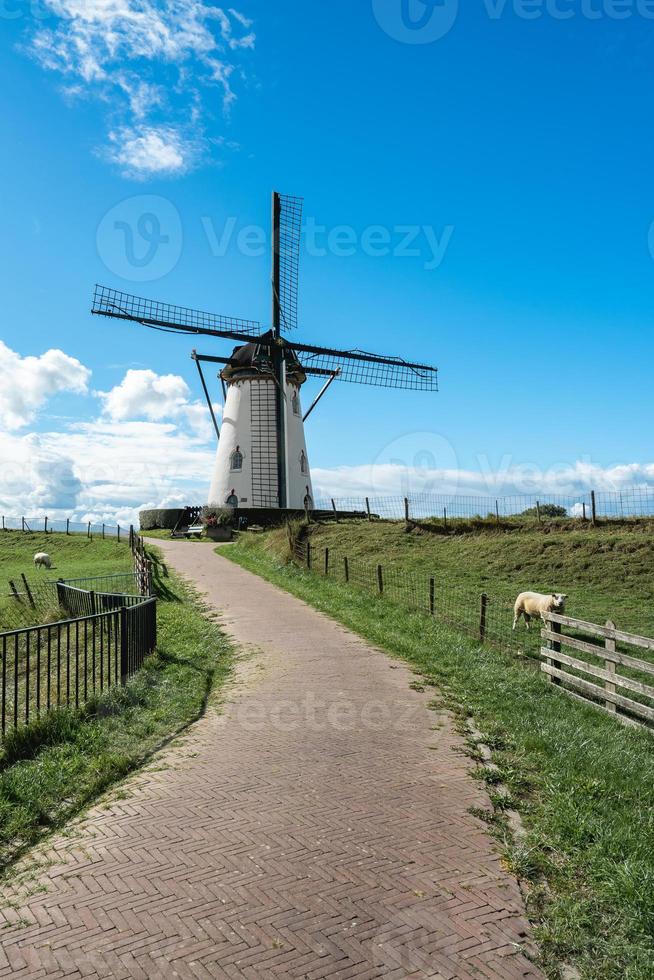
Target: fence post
(445, 517)
(346, 568)
(88, 530)
(593, 504)
(406, 510)
(27, 590)
(45, 524)
(3, 522)
(380, 579)
(68, 525)
(538, 511)
(497, 510)
(92, 602)
(432, 596)
(124, 646)
(368, 509)
(22, 523)
(131, 536)
(334, 509)
(326, 561)
(308, 556)
(609, 665)
(482, 617)
(555, 647)
(119, 534)
(103, 532)
(583, 504)
(15, 591)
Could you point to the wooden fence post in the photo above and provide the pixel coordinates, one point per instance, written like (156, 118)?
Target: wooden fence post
(593, 504)
(68, 525)
(346, 569)
(538, 511)
(326, 561)
(583, 504)
(103, 532)
(432, 596)
(609, 665)
(445, 517)
(308, 556)
(406, 510)
(380, 579)
(27, 590)
(88, 530)
(119, 534)
(15, 591)
(368, 509)
(497, 510)
(334, 509)
(22, 523)
(45, 525)
(555, 646)
(482, 617)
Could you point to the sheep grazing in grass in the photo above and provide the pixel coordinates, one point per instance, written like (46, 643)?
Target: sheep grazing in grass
(42, 560)
(532, 604)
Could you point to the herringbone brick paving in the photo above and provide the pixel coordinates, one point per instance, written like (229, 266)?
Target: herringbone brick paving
(317, 827)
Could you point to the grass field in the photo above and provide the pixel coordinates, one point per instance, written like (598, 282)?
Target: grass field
(607, 572)
(73, 556)
(583, 784)
(56, 767)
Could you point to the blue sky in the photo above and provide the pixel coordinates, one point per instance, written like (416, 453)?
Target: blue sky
(523, 146)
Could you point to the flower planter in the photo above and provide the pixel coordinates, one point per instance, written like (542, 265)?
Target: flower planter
(220, 533)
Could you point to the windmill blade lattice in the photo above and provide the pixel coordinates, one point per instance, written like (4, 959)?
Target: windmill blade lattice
(359, 367)
(290, 228)
(164, 316)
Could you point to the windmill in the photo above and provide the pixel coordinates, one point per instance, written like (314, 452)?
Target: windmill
(262, 459)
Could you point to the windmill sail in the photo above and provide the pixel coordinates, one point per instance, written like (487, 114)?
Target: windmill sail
(290, 228)
(360, 367)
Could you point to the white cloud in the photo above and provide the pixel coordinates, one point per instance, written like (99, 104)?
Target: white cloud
(154, 62)
(152, 151)
(143, 394)
(28, 382)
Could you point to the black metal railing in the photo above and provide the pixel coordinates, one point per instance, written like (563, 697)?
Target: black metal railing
(64, 664)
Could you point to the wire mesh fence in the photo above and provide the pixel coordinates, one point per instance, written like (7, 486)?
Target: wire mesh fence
(591, 505)
(63, 525)
(485, 618)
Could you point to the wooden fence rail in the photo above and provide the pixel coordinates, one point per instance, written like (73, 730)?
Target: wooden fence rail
(599, 643)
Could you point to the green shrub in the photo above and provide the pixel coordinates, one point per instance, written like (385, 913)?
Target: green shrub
(150, 520)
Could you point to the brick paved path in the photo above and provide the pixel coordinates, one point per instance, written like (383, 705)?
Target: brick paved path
(318, 827)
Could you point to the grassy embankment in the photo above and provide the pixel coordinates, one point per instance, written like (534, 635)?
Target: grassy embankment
(583, 784)
(58, 766)
(73, 556)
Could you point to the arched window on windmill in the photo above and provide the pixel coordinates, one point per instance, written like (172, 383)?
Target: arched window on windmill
(304, 463)
(295, 403)
(236, 460)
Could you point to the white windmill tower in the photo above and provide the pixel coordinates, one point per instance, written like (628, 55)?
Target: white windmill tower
(262, 460)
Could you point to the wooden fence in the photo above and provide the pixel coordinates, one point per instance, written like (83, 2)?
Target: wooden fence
(604, 660)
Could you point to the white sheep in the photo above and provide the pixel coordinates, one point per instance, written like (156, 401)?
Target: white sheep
(534, 604)
(40, 558)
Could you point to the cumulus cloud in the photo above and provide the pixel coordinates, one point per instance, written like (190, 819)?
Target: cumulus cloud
(143, 394)
(149, 60)
(28, 382)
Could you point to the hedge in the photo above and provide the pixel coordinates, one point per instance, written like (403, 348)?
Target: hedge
(150, 520)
